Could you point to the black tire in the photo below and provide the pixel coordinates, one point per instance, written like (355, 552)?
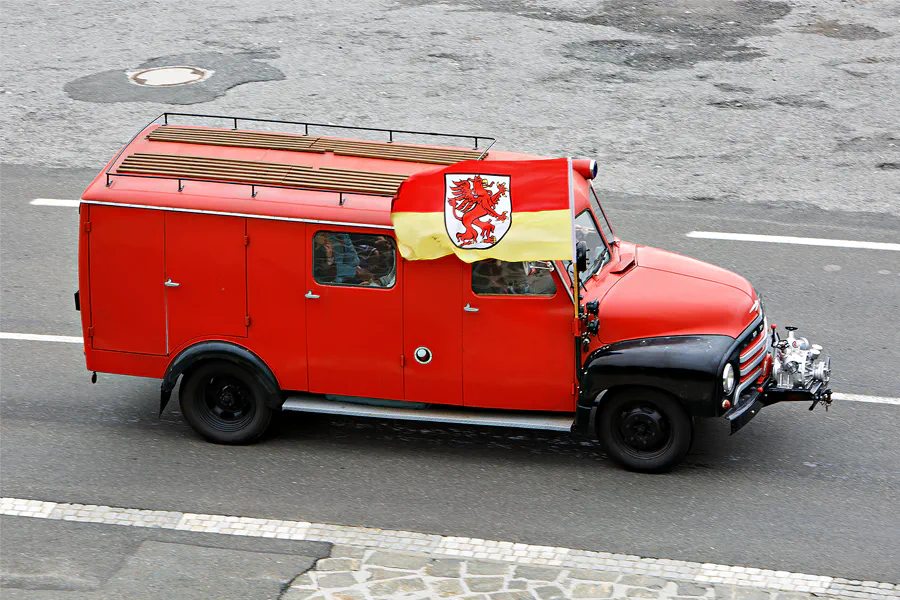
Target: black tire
(224, 403)
(644, 430)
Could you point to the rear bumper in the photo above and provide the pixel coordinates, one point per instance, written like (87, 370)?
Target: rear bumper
(753, 401)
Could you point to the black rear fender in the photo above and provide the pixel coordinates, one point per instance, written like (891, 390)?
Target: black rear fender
(192, 356)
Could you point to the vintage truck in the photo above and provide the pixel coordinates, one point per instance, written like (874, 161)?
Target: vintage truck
(260, 267)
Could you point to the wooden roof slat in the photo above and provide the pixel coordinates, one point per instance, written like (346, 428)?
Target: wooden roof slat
(301, 143)
(189, 133)
(301, 176)
(206, 173)
(188, 168)
(247, 143)
(191, 169)
(392, 147)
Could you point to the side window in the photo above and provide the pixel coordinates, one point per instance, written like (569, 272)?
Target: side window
(358, 259)
(498, 278)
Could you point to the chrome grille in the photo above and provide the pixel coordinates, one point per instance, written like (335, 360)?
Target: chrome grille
(752, 350)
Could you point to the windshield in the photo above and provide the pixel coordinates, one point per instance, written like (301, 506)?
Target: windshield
(598, 252)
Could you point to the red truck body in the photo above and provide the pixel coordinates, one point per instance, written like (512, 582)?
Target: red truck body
(196, 235)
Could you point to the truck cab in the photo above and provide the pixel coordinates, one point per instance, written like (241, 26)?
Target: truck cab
(262, 270)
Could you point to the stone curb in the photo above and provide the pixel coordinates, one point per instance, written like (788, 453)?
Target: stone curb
(460, 547)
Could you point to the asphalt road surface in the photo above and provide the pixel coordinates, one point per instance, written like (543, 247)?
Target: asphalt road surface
(785, 124)
(799, 491)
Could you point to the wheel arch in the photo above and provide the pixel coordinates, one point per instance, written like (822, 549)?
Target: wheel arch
(605, 395)
(202, 352)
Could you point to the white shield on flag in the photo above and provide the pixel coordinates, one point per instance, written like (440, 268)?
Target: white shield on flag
(477, 209)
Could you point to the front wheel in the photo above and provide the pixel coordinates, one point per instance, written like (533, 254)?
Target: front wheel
(644, 430)
(224, 403)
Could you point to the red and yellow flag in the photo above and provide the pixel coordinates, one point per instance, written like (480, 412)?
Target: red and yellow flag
(509, 210)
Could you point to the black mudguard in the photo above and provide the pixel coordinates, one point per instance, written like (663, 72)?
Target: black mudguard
(687, 367)
(221, 351)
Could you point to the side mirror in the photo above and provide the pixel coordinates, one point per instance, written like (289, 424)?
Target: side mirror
(581, 256)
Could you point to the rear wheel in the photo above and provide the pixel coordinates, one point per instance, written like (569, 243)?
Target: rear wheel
(645, 430)
(224, 403)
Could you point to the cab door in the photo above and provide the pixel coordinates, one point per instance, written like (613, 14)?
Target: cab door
(518, 347)
(354, 308)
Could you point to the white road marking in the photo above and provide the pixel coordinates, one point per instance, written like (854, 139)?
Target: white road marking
(786, 239)
(861, 398)
(459, 547)
(55, 202)
(33, 337)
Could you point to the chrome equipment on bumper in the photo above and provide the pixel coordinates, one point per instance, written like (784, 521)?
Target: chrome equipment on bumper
(788, 370)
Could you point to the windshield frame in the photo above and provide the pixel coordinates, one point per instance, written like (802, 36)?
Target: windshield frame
(597, 265)
(594, 202)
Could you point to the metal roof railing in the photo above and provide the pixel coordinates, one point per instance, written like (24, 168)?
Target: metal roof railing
(235, 121)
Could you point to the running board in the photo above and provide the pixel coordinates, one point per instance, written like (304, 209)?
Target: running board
(460, 416)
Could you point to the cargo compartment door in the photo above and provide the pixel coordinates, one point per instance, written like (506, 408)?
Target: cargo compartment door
(206, 277)
(432, 330)
(126, 265)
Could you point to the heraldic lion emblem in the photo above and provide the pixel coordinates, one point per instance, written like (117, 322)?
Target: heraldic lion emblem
(478, 210)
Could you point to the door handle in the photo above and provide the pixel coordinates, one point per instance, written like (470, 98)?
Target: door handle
(310, 295)
(170, 283)
(469, 308)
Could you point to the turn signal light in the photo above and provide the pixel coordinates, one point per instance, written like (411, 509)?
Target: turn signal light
(726, 404)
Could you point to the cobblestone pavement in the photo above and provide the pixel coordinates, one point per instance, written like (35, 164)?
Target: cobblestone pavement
(356, 573)
(368, 563)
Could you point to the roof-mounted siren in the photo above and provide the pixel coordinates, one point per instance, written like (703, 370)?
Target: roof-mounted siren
(586, 167)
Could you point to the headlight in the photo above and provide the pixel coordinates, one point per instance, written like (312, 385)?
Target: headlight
(728, 379)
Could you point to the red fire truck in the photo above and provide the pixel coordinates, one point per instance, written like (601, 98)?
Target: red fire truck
(261, 268)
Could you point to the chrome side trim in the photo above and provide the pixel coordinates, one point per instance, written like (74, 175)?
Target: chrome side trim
(462, 416)
(232, 214)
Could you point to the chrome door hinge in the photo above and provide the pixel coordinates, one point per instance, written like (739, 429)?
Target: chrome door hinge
(402, 361)
(87, 226)
(246, 240)
(247, 320)
(90, 332)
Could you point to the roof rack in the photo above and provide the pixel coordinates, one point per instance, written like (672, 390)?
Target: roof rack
(306, 125)
(440, 156)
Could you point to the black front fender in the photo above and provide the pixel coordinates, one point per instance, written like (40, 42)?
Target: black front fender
(221, 351)
(687, 367)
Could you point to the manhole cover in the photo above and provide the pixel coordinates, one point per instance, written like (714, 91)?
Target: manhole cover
(167, 76)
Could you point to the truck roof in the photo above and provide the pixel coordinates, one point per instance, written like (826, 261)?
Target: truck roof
(269, 174)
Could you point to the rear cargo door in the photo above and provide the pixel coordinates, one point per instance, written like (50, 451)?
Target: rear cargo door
(127, 264)
(206, 277)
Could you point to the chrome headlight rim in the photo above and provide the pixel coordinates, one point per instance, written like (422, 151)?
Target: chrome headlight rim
(728, 379)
